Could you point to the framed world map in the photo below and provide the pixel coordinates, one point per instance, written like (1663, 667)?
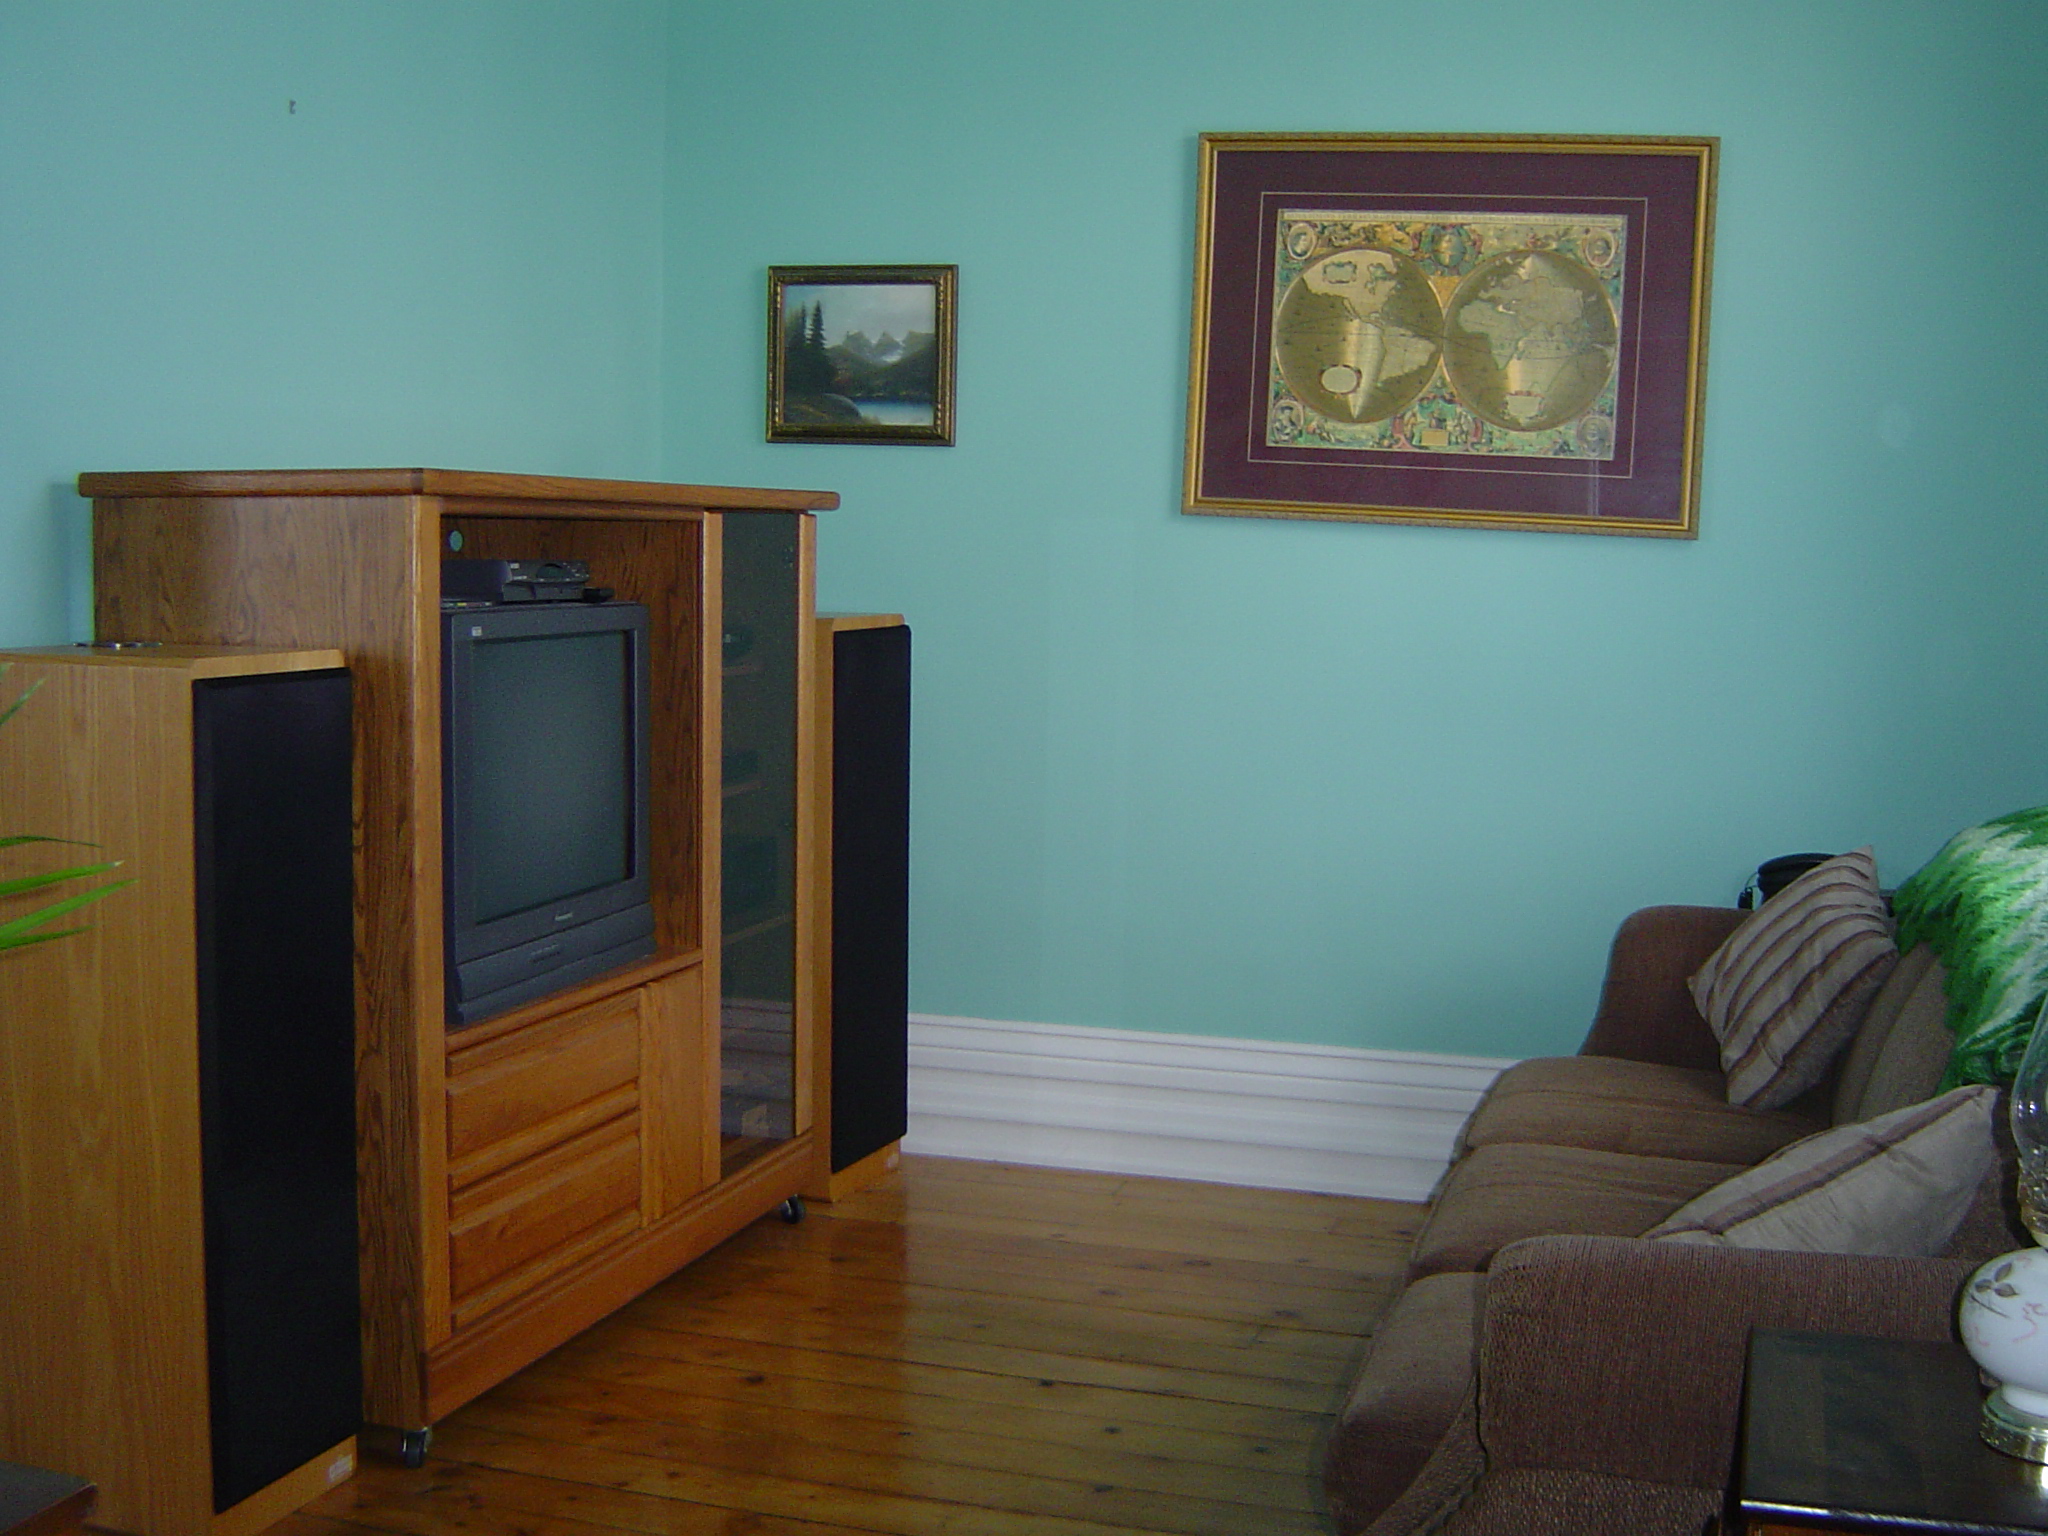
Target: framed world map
(1493, 332)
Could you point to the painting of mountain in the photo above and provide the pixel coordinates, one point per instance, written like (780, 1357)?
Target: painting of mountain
(861, 360)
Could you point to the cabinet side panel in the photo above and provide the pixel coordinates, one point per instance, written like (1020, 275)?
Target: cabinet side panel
(711, 833)
(353, 572)
(102, 1314)
(680, 1146)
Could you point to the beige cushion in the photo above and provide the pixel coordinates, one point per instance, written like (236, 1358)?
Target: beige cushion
(1916, 970)
(1787, 989)
(1500, 1193)
(1910, 1064)
(1644, 1108)
(1898, 1185)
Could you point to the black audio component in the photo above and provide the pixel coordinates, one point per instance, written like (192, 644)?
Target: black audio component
(513, 581)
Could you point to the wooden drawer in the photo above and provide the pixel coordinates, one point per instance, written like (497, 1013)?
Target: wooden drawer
(516, 1096)
(511, 1230)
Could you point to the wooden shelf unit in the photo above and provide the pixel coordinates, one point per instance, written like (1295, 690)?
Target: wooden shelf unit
(527, 1175)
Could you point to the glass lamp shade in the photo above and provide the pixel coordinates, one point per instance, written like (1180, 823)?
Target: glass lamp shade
(2030, 1130)
(2003, 1316)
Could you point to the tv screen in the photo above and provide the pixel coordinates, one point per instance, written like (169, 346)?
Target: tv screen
(544, 810)
(553, 809)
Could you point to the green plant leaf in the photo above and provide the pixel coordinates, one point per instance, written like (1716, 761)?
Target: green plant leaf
(21, 930)
(7, 714)
(24, 930)
(36, 882)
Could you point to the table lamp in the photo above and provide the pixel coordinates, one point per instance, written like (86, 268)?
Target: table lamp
(2003, 1315)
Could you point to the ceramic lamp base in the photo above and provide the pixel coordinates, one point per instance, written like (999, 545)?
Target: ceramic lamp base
(2013, 1430)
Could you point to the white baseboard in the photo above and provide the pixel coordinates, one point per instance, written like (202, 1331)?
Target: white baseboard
(1226, 1111)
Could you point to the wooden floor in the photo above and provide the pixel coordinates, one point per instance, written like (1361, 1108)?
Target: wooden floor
(971, 1349)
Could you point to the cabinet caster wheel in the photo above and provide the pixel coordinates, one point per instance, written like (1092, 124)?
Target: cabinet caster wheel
(408, 1447)
(792, 1209)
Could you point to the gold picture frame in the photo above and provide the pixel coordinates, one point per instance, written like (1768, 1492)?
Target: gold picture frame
(1503, 331)
(861, 354)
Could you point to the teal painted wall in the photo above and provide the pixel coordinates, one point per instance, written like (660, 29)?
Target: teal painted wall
(1379, 786)
(449, 253)
(1375, 786)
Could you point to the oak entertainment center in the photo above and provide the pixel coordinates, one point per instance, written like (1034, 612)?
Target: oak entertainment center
(523, 1176)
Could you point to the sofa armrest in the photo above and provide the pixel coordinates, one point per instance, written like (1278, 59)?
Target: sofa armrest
(1646, 1012)
(1625, 1357)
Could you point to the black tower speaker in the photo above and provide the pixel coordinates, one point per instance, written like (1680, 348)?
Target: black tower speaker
(870, 890)
(276, 951)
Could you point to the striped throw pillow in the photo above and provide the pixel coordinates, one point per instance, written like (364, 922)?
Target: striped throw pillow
(1788, 988)
(1898, 1185)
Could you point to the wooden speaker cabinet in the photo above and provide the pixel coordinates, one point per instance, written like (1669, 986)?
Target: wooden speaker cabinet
(522, 1176)
(178, 1314)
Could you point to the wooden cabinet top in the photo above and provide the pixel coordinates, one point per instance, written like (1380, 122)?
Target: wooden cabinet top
(201, 661)
(182, 484)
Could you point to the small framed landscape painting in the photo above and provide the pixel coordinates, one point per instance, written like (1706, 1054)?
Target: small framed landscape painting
(860, 354)
(1485, 332)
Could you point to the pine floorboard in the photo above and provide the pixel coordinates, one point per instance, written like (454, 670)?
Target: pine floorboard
(966, 1349)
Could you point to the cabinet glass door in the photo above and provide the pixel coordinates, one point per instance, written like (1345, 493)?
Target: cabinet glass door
(759, 804)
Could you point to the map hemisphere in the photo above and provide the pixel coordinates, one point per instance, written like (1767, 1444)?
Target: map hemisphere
(1462, 333)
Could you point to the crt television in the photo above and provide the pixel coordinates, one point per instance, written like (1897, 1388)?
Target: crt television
(544, 764)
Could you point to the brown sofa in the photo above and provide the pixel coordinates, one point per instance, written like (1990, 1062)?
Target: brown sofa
(1546, 1369)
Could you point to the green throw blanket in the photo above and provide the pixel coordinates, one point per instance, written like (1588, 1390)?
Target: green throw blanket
(1982, 905)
